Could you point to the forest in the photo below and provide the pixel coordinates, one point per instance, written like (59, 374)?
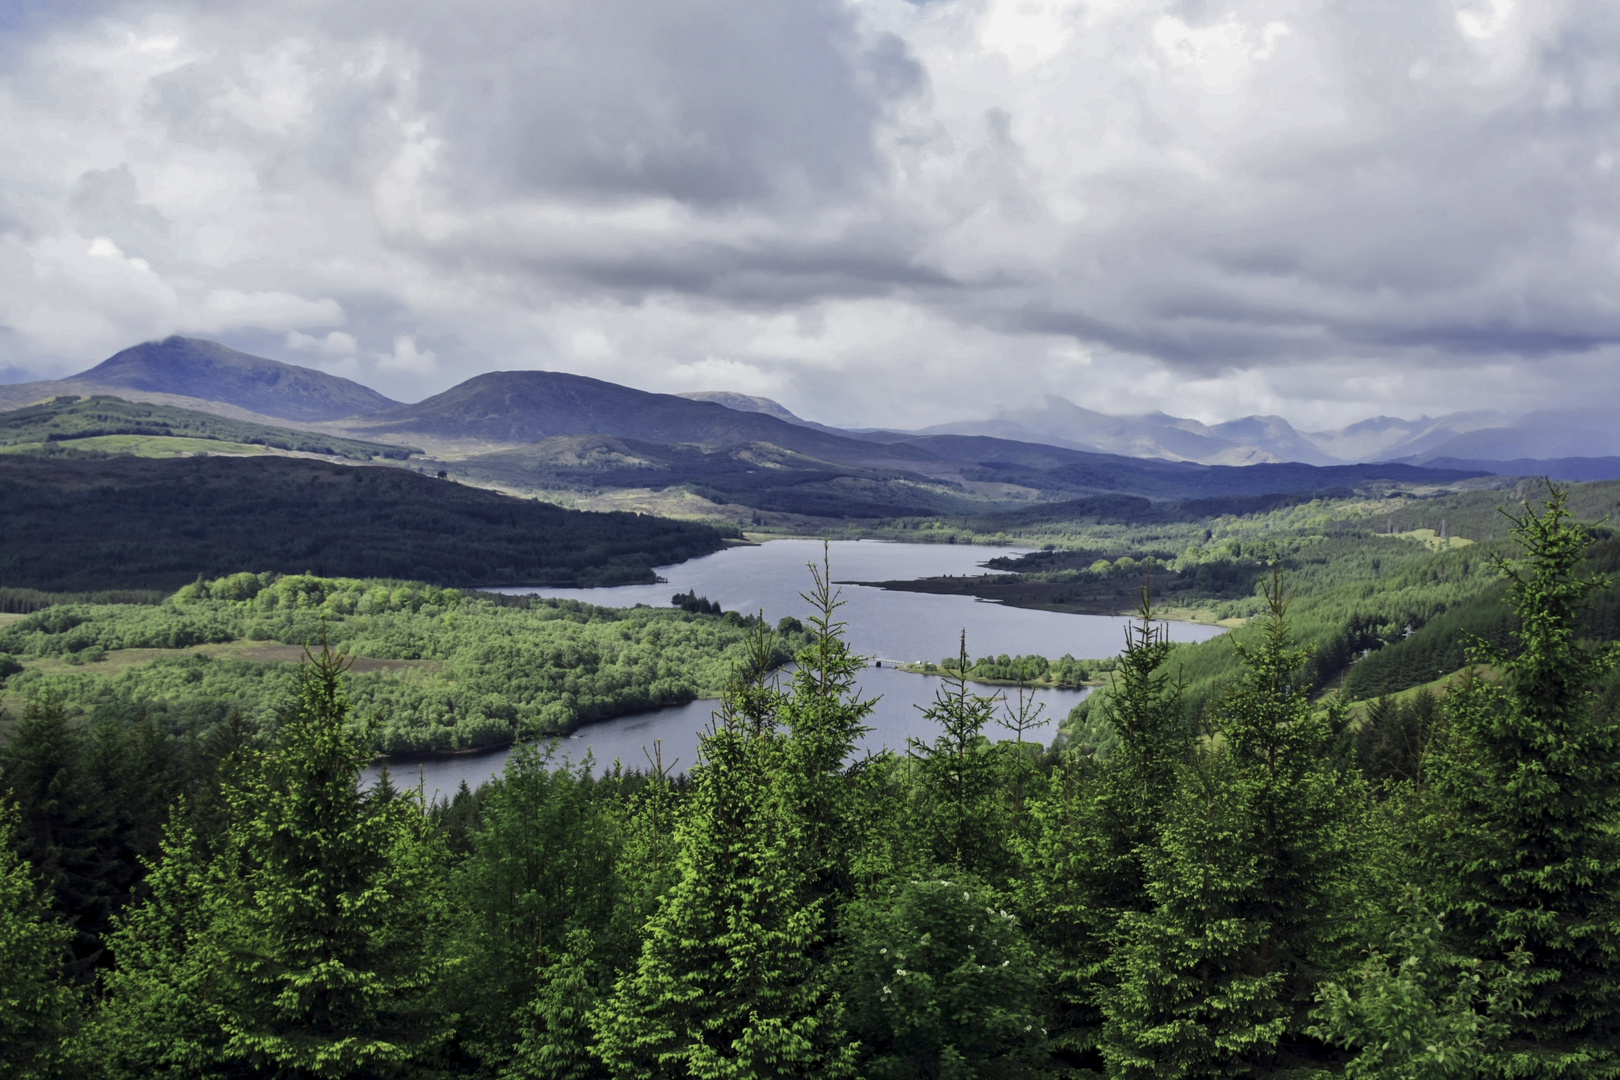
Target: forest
(1266, 886)
(86, 524)
(437, 669)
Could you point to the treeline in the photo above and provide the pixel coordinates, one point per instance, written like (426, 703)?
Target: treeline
(1268, 891)
(443, 669)
(78, 525)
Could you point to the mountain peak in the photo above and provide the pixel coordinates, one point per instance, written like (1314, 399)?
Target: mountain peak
(197, 368)
(731, 399)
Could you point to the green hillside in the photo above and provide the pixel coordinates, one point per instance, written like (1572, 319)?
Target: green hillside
(95, 422)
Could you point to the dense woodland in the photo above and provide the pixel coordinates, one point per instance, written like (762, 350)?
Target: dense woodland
(1264, 886)
(85, 524)
(441, 670)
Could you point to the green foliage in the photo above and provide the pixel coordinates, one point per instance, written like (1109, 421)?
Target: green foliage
(540, 872)
(1529, 790)
(85, 525)
(1252, 874)
(941, 983)
(960, 810)
(37, 1008)
(309, 942)
(1415, 1010)
(725, 985)
(473, 670)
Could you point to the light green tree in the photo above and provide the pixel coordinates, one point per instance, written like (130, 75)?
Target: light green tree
(37, 1009)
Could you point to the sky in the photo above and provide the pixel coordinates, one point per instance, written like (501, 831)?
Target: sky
(877, 212)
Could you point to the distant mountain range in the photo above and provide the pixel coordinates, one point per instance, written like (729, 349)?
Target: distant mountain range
(543, 430)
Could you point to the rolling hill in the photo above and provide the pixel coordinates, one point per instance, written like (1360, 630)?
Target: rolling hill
(75, 423)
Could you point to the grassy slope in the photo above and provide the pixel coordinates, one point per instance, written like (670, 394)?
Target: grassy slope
(114, 425)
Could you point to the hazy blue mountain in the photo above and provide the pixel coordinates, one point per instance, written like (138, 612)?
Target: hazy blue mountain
(1390, 438)
(1539, 436)
(1153, 435)
(193, 368)
(1570, 470)
(1277, 437)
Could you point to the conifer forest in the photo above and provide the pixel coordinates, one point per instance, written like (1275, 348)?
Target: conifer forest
(1263, 882)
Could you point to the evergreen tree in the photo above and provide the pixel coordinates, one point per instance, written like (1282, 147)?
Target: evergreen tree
(941, 983)
(307, 943)
(1083, 868)
(555, 1041)
(824, 717)
(1529, 793)
(725, 985)
(962, 814)
(37, 1010)
(1416, 1010)
(1251, 877)
(62, 834)
(541, 868)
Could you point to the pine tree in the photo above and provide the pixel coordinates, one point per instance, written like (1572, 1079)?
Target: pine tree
(555, 1041)
(824, 717)
(1252, 881)
(306, 942)
(37, 1010)
(962, 814)
(725, 985)
(1529, 792)
(541, 868)
(1083, 868)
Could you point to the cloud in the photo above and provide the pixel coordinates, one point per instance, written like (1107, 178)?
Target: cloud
(335, 344)
(881, 211)
(407, 358)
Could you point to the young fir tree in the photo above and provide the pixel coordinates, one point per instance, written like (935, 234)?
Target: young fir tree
(1083, 870)
(726, 985)
(37, 1010)
(306, 946)
(1251, 876)
(824, 717)
(941, 982)
(1529, 793)
(555, 1041)
(541, 867)
(962, 816)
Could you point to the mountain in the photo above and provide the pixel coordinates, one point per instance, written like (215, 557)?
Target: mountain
(193, 368)
(1578, 470)
(1389, 438)
(745, 403)
(515, 408)
(1544, 435)
(1276, 437)
(1152, 435)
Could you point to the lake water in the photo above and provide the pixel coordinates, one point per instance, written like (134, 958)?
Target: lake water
(885, 625)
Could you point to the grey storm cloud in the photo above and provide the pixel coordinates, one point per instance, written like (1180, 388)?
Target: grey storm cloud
(877, 211)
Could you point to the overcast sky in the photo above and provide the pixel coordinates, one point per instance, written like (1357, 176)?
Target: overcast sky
(876, 212)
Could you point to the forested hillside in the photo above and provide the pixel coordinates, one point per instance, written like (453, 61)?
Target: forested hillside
(77, 524)
(1267, 889)
(443, 670)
